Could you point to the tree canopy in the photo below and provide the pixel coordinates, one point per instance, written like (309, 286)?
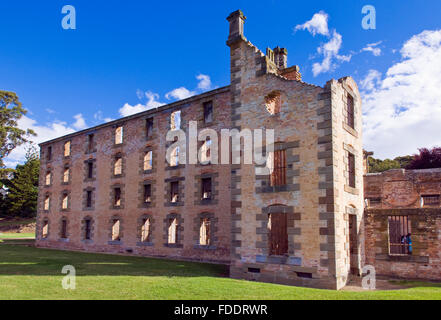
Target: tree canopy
(11, 110)
(426, 159)
(22, 188)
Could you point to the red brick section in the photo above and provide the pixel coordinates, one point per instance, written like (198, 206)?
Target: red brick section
(400, 193)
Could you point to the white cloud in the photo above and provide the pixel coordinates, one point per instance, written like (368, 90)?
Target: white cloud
(329, 50)
(371, 81)
(373, 47)
(204, 82)
(80, 123)
(99, 117)
(180, 94)
(402, 111)
(152, 102)
(317, 25)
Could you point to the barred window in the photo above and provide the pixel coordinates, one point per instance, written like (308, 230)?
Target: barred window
(400, 237)
(430, 200)
(90, 142)
(277, 167)
(350, 112)
(351, 170)
(175, 120)
(204, 232)
(174, 157)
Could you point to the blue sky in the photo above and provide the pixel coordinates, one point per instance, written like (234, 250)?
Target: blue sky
(121, 50)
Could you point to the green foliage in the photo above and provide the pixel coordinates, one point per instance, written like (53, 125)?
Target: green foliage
(22, 188)
(377, 165)
(11, 110)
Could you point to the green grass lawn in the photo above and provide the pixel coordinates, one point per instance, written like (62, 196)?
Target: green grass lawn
(30, 273)
(4, 236)
(13, 222)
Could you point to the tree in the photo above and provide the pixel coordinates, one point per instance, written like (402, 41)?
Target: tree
(426, 159)
(22, 188)
(11, 110)
(377, 165)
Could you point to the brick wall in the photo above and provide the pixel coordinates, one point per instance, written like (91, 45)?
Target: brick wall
(398, 193)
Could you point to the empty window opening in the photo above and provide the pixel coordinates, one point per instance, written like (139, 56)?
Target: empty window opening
(90, 170)
(117, 170)
(373, 202)
(254, 270)
(208, 112)
(205, 152)
(117, 197)
(400, 237)
(149, 127)
(49, 154)
(116, 230)
(174, 191)
(148, 193)
(47, 202)
(90, 142)
(63, 229)
(145, 230)
(45, 230)
(65, 202)
(350, 112)
(87, 229)
(204, 232)
(430, 200)
(175, 120)
(273, 102)
(48, 178)
(67, 149)
(119, 132)
(351, 170)
(172, 231)
(89, 199)
(148, 161)
(277, 167)
(206, 188)
(174, 157)
(278, 234)
(306, 275)
(66, 174)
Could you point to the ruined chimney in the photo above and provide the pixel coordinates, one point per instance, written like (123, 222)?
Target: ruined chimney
(281, 57)
(236, 20)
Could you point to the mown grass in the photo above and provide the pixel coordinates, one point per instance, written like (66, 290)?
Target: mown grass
(17, 236)
(31, 273)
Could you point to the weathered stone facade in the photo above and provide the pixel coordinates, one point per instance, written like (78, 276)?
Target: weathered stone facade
(413, 194)
(319, 129)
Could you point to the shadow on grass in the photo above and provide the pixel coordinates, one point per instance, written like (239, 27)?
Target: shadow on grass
(27, 260)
